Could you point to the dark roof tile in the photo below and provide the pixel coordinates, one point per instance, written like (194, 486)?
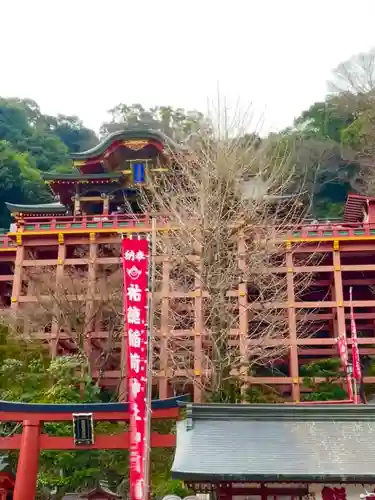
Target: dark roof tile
(244, 443)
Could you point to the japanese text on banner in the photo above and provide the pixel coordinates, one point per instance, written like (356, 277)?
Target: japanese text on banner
(135, 258)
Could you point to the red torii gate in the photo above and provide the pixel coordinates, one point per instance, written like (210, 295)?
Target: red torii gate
(32, 439)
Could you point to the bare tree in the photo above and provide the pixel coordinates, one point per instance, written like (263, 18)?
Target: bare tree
(70, 309)
(229, 203)
(356, 76)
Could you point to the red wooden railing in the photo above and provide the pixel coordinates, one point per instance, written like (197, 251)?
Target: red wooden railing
(69, 222)
(318, 231)
(329, 230)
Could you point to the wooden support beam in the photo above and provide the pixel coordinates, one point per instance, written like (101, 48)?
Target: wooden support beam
(293, 351)
(17, 279)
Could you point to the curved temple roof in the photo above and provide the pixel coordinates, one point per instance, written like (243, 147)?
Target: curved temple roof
(133, 134)
(46, 208)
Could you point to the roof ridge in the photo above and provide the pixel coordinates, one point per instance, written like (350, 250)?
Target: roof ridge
(126, 134)
(272, 412)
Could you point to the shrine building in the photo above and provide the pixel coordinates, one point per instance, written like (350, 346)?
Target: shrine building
(96, 204)
(276, 452)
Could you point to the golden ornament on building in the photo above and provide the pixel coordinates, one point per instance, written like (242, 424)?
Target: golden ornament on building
(135, 145)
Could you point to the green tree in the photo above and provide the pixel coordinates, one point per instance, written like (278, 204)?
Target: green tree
(347, 117)
(24, 127)
(31, 142)
(21, 181)
(27, 374)
(49, 139)
(325, 162)
(174, 122)
(71, 131)
(324, 119)
(332, 387)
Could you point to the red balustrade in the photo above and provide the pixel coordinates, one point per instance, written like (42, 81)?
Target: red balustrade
(89, 222)
(319, 231)
(327, 230)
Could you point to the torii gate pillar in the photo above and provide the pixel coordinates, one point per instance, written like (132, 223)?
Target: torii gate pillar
(27, 468)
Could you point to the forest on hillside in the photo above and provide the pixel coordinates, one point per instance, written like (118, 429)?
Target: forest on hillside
(331, 144)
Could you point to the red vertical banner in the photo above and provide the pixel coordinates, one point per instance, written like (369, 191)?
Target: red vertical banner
(343, 352)
(135, 260)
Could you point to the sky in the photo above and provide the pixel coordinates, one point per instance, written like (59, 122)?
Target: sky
(83, 57)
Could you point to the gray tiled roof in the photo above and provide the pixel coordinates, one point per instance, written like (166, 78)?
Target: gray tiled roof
(244, 443)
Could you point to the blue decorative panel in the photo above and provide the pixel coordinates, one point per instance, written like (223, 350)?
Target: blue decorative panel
(138, 173)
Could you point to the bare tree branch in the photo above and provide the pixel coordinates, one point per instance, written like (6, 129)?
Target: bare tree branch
(221, 193)
(70, 309)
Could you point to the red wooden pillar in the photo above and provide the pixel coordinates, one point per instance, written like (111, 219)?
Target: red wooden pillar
(27, 468)
(3, 494)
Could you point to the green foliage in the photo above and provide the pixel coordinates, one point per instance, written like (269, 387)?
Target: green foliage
(342, 125)
(70, 130)
(20, 180)
(161, 464)
(325, 120)
(174, 122)
(368, 370)
(27, 374)
(323, 157)
(229, 392)
(330, 389)
(352, 135)
(263, 395)
(31, 142)
(24, 127)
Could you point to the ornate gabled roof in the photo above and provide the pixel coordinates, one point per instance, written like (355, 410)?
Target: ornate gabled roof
(125, 135)
(332, 443)
(103, 490)
(43, 208)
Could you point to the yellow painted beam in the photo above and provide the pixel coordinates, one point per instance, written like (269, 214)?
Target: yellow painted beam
(145, 229)
(330, 238)
(140, 229)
